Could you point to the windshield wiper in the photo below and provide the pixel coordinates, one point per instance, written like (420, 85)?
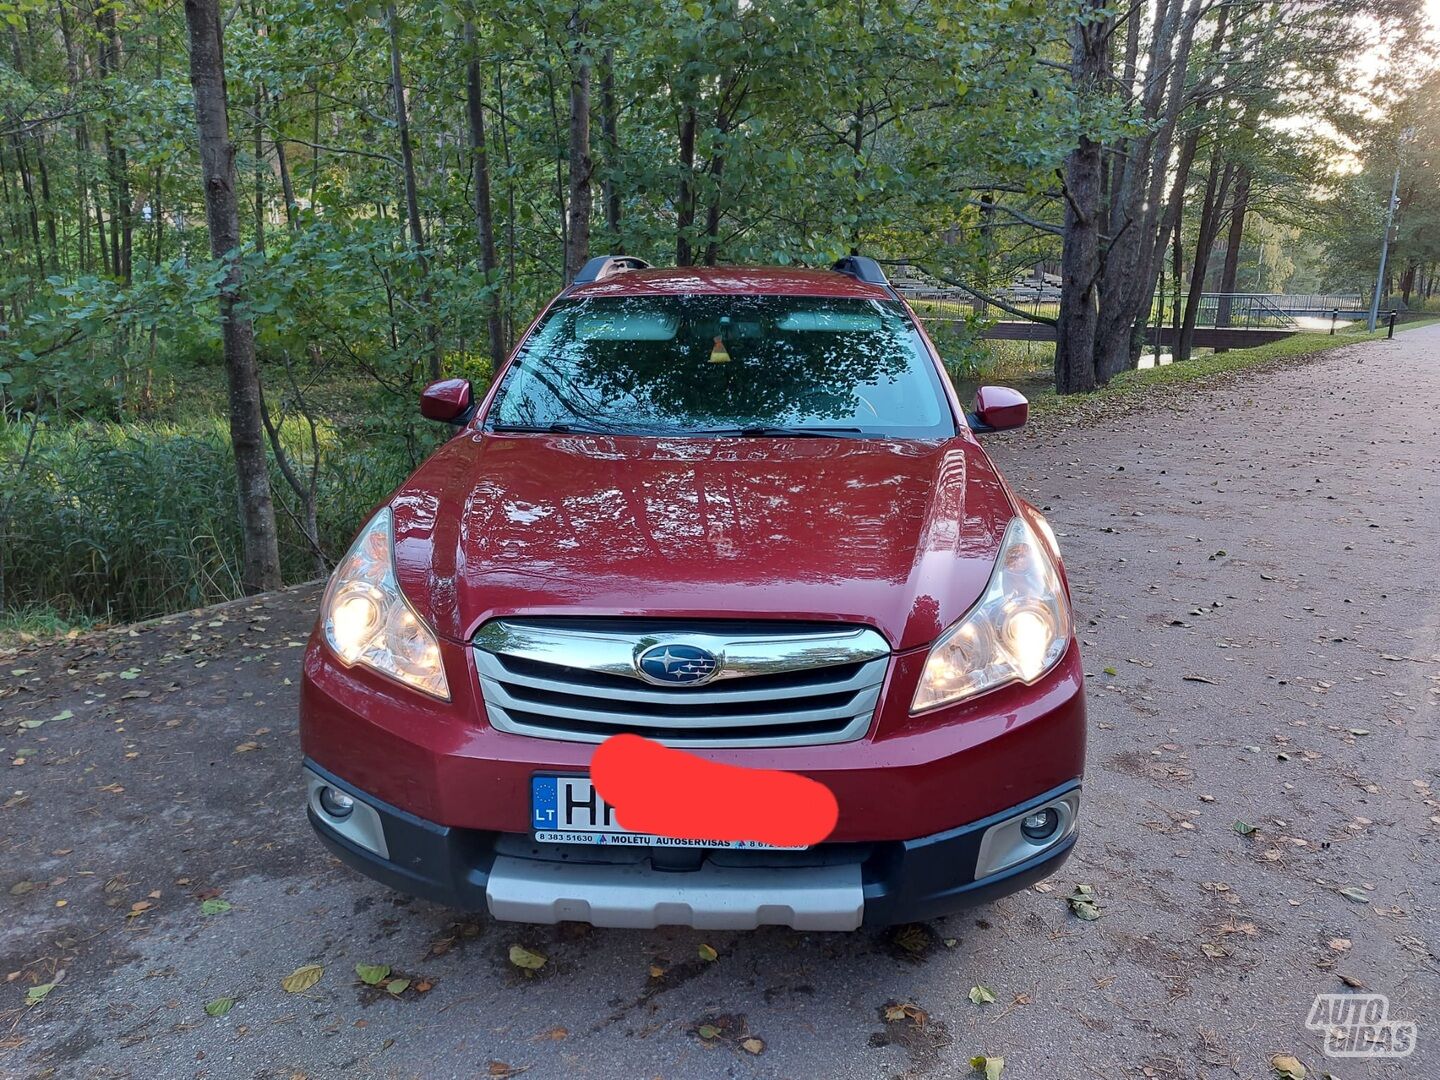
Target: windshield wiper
(781, 431)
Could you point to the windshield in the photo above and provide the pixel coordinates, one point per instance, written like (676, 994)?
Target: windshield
(725, 365)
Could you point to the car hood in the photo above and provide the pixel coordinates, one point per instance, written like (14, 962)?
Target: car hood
(898, 535)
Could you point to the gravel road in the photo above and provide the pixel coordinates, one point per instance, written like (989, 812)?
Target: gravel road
(1255, 572)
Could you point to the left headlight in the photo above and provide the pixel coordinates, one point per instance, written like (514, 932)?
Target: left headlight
(1017, 631)
(368, 621)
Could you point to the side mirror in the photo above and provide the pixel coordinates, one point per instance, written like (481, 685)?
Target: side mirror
(998, 408)
(451, 401)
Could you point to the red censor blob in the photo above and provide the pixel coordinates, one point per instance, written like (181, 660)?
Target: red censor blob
(655, 789)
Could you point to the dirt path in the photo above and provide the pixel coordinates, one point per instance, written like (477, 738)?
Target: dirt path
(1256, 578)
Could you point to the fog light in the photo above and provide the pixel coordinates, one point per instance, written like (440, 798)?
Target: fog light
(1041, 825)
(336, 803)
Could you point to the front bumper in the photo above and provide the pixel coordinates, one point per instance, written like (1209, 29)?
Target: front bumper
(908, 776)
(834, 886)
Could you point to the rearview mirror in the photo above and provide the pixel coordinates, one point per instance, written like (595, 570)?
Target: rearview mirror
(998, 408)
(451, 401)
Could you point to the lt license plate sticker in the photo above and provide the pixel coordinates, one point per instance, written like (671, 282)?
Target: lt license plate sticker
(568, 810)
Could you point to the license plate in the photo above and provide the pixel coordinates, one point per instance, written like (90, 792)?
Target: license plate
(568, 810)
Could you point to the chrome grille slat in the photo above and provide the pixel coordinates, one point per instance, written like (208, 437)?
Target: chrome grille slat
(811, 685)
(494, 669)
(861, 704)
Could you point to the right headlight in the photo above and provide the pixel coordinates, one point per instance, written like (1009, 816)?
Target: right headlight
(368, 621)
(1017, 631)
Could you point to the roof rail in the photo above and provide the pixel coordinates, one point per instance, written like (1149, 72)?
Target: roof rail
(604, 266)
(862, 269)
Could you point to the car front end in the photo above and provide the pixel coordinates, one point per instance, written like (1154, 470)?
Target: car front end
(877, 613)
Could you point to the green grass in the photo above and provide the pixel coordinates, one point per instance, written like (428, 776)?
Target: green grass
(116, 521)
(39, 622)
(1135, 384)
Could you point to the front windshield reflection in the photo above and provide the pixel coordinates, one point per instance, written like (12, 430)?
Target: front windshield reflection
(723, 364)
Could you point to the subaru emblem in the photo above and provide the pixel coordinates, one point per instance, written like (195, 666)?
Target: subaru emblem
(677, 665)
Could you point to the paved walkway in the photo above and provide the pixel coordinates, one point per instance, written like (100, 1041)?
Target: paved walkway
(1255, 575)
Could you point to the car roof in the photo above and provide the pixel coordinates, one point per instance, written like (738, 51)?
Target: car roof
(732, 281)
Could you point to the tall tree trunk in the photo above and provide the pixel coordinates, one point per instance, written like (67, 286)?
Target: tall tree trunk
(258, 163)
(685, 195)
(121, 224)
(1078, 322)
(610, 140)
(222, 214)
(712, 212)
(282, 165)
(31, 213)
(1234, 241)
(82, 139)
(484, 211)
(412, 197)
(510, 276)
(45, 201)
(1127, 281)
(1217, 193)
(577, 231)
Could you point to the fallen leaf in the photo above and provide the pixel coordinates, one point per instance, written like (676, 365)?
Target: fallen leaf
(219, 1007)
(752, 1045)
(246, 747)
(302, 979)
(1359, 731)
(708, 954)
(992, 1067)
(522, 957)
(906, 1011)
(656, 971)
(1340, 944)
(1287, 1067)
(396, 987)
(1215, 952)
(1352, 892)
(1198, 678)
(500, 1068)
(981, 995)
(20, 888)
(1352, 982)
(372, 974)
(1111, 671)
(37, 994)
(708, 1031)
(1244, 828)
(913, 938)
(1082, 903)
(555, 1034)
(214, 907)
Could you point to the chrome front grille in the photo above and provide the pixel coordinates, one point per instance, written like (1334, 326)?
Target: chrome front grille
(578, 680)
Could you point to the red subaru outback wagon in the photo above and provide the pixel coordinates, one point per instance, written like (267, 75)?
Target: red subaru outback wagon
(739, 512)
